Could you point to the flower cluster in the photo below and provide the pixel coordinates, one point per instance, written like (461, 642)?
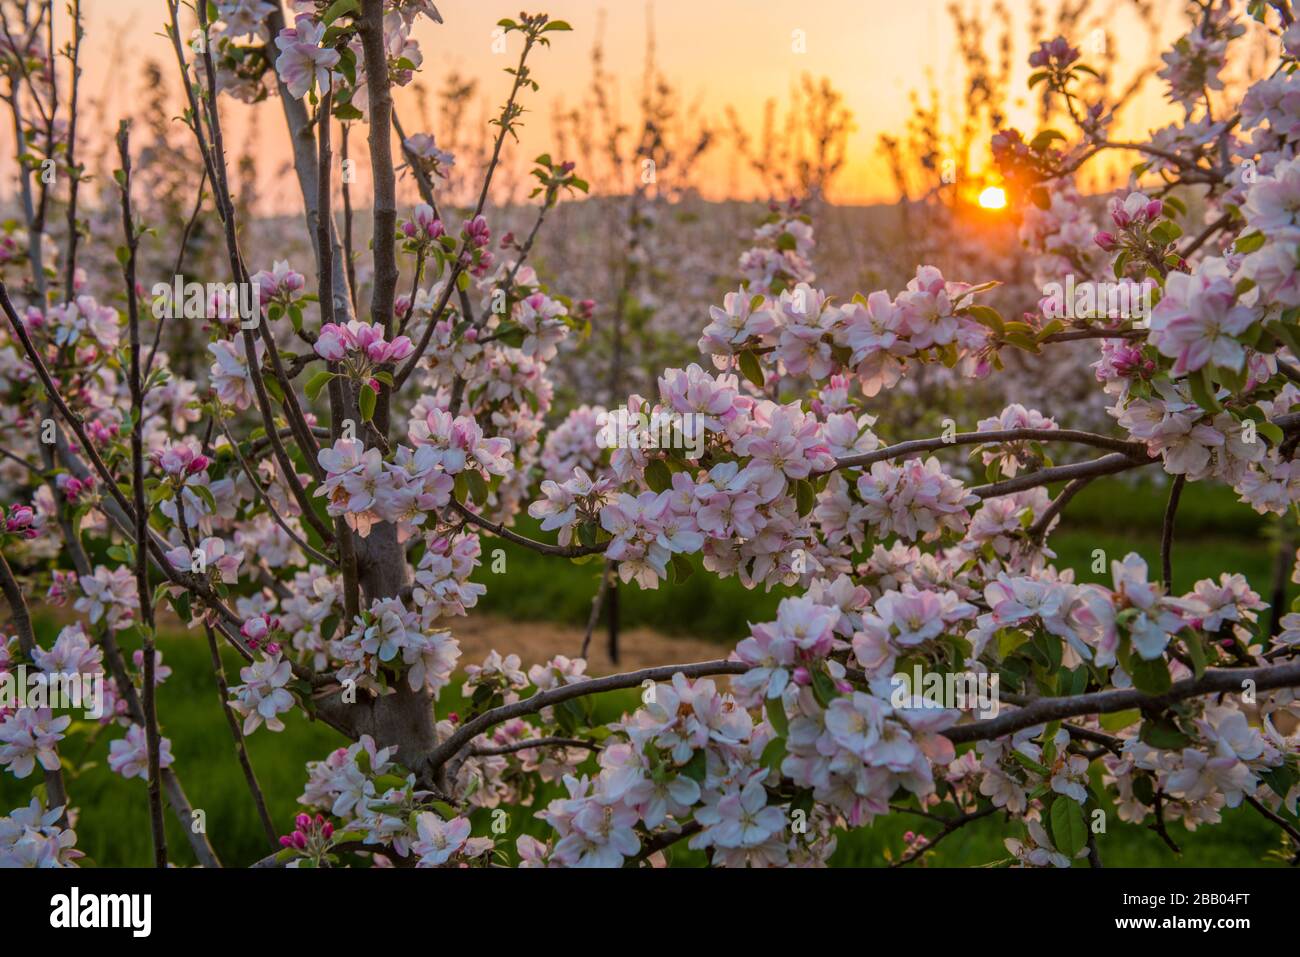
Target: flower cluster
(389, 638)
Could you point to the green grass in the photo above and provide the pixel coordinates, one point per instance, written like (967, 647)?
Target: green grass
(540, 588)
(113, 827)
(1214, 535)
(1204, 508)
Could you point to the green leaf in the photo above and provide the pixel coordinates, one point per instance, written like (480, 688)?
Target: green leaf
(987, 316)
(823, 688)
(181, 605)
(682, 568)
(1249, 243)
(1286, 334)
(1120, 262)
(1009, 641)
(658, 476)
(750, 368)
(1119, 720)
(1163, 734)
(776, 716)
(367, 402)
(477, 486)
(1030, 763)
(318, 382)
(1195, 644)
(1270, 431)
(1203, 390)
(1151, 677)
(205, 493)
(1068, 829)
(338, 8)
(805, 496)
(1280, 780)
(697, 767)
(773, 754)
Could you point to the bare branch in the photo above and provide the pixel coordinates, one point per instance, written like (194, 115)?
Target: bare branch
(993, 436)
(633, 679)
(1042, 710)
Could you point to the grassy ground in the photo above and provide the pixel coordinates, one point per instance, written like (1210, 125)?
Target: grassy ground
(1213, 537)
(1214, 534)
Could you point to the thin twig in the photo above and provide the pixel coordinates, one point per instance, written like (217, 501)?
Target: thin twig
(1167, 533)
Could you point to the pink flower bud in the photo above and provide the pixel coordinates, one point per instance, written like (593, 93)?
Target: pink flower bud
(1105, 240)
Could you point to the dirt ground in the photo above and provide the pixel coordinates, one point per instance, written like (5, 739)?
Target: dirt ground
(534, 642)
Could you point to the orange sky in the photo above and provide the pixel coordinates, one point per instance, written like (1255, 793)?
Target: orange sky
(716, 52)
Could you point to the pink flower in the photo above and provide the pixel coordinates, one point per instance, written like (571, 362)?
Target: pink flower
(423, 146)
(29, 736)
(423, 225)
(129, 756)
(281, 284)
(262, 697)
(477, 232)
(1197, 320)
(742, 317)
(302, 62)
(439, 840)
(22, 521)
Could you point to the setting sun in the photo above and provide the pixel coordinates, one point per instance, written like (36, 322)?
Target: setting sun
(993, 197)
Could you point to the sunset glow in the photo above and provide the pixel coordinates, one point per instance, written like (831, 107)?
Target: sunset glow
(737, 54)
(993, 197)
(639, 434)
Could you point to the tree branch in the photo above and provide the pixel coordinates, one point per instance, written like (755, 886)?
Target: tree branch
(1042, 710)
(488, 719)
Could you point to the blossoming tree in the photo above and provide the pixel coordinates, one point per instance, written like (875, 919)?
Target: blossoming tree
(319, 503)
